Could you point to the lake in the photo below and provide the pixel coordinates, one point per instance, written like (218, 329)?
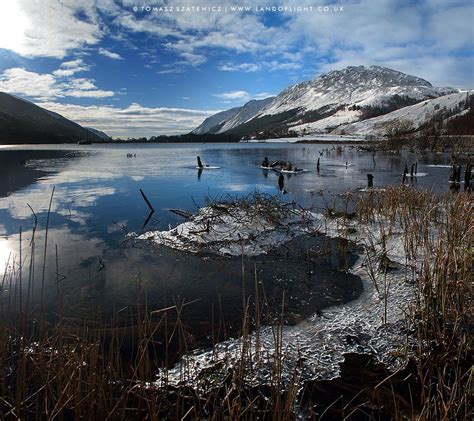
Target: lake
(91, 269)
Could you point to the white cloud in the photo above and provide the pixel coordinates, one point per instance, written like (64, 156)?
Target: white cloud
(72, 64)
(388, 32)
(132, 121)
(240, 96)
(260, 65)
(241, 67)
(48, 28)
(234, 96)
(20, 81)
(69, 68)
(195, 35)
(110, 54)
(430, 39)
(433, 36)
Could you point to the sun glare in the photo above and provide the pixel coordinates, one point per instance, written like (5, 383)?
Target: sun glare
(5, 253)
(13, 24)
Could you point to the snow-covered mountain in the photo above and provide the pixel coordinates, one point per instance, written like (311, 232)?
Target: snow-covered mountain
(226, 120)
(354, 85)
(245, 113)
(413, 117)
(21, 121)
(215, 122)
(334, 99)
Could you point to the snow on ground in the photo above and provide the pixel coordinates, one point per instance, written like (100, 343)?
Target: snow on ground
(341, 117)
(279, 140)
(417, 114)
(327, 137)
(229, 229)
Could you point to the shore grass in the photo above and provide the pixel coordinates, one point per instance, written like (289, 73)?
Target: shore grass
(72, 369)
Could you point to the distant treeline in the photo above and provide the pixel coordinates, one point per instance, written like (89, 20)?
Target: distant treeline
(184, 138)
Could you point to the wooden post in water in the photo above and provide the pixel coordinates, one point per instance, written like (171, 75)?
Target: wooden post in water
(317, 166)
(455, 177)
(458, 174)
(281, 182)
(467, 177)
(370, 181)
(404, 177)
(452, 176)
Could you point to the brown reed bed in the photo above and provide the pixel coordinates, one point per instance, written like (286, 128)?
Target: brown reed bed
(438, 232)
(70, 369)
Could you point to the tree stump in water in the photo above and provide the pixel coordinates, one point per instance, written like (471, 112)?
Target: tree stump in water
(281, 182)
(370, 181)
(455, 176)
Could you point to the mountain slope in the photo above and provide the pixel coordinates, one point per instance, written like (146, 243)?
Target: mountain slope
(414, 117)
(227, 120)
(213, 123)
(22, 121)
(338, 97)
(245, 113)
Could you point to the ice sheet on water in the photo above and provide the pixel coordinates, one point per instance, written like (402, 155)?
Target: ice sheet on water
(372, 324)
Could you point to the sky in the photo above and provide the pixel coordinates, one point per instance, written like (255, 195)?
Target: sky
(145, 68)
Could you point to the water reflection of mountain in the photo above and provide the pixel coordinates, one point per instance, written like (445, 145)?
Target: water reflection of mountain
(18, 169)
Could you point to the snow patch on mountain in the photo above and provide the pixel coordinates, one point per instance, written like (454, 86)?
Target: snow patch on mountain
(416, 115)
(324, 125)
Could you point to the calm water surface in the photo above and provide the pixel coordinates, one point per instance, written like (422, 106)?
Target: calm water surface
(97, 201)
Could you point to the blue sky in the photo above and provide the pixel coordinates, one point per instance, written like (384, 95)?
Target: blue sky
(142, 68)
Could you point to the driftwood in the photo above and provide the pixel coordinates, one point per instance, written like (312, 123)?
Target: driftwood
(183, 213)
(147, 201)
(205, 230)
(152, 210)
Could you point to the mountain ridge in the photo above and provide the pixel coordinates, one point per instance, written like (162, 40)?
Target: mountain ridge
(343, 96)
(228, 119)
(23, 122)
